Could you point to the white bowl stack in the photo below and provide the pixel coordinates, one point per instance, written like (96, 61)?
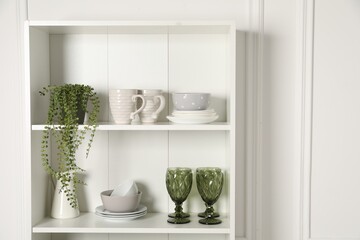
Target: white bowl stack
(192, 108)
(122, 203)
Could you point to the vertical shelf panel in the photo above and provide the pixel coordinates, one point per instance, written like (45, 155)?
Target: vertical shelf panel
(79, 236)
(196, 236)
(198, 63)
(96, 171)
(138, 156)
(82, 59)
(39, 73)
(39, 77)
(198, 149)
(138, 236)
(139, 61)
(40, 184)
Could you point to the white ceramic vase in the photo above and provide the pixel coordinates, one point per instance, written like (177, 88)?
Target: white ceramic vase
(61, 208)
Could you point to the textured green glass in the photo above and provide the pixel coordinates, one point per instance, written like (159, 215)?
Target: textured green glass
(203, 215)
(178, 185)
(209, 183)
(182, 215)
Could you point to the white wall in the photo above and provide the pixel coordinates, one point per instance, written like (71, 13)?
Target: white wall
(335, 159)
(279, 123)
(10, 120)
(334, 199)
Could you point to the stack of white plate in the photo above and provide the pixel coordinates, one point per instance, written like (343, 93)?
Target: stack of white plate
(139, 212)
(193, 117)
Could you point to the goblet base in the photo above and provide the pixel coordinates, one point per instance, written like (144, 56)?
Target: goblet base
(178, 220)
(182, 215)
(210, 221)
(202, 215)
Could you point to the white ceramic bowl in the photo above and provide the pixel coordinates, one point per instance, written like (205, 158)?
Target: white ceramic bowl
(126, 203)
(191, 101)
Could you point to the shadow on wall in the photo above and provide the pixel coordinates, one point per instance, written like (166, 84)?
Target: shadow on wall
(241, 165)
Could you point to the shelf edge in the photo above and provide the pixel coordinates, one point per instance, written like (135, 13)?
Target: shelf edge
(155, 127)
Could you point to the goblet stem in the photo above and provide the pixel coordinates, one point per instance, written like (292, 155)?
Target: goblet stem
(178, 216)
(202, 215)
(178, 210)
(209, 212)
(209, 216)
(183, 215)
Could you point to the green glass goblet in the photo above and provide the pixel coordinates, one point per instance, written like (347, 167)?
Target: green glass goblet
(209, 181)
(182, 215)
(203, 215)
(178, 185)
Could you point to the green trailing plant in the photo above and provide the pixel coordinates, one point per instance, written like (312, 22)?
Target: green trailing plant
(62, 125)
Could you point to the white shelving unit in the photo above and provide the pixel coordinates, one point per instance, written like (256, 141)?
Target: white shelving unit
(171, 56)
(151, 223)
(160, 126)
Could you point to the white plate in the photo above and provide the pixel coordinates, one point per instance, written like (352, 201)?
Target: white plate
(207, 111)
(194, 115)
(197, 120)
(101, 210)
(130, 217)
(121, 216)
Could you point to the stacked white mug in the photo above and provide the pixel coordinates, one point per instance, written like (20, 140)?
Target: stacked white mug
(123, 104)
(154, 104)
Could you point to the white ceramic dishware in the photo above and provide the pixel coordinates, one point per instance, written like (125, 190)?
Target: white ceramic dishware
(121, 218)
(191, 101)
(139, 212)
(125, 203)
(126, 188)
(102, 210)
(193, 117)
(189, 114)
(155, 103)
(123, 105)
(194, 120)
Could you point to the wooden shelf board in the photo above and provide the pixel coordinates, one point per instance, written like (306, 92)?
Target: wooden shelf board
(161, 126)
(151, 223)
(104, 27)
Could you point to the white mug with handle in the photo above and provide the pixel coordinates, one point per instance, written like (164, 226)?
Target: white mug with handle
(123, 105)
(154, 104)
